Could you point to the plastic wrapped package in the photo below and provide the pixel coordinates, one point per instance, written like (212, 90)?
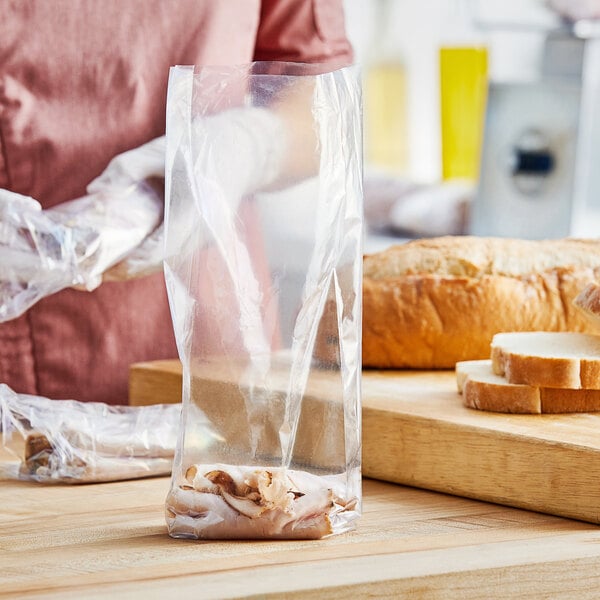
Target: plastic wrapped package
(263, 268)
(71, 244)
(75, 442)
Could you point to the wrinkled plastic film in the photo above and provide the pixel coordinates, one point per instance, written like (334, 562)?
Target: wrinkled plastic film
(66, 441)
(263, 242)
(72, 244)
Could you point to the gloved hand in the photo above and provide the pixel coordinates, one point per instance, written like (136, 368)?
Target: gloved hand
(232, 155)
(132, 167)
(143, 260)
(241, 149)
(72, 244)
(576, 10)
(144, 163)
(248, 142)
(214, 162)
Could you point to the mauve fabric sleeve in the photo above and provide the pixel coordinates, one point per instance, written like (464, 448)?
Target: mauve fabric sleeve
(311, 31)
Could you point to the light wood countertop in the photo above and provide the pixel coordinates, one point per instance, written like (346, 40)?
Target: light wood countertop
(417, 432)
(109, 540)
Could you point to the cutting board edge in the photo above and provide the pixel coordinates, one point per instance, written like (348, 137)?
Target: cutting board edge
(554, 490)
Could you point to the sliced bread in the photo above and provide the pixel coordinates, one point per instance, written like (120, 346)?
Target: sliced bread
(548, 359)
(484, 390)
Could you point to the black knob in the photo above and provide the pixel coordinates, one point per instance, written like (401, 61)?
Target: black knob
(532, 162)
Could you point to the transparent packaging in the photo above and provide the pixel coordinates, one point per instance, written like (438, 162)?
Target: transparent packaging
(66, 441)
(263, 268)
(71, 244)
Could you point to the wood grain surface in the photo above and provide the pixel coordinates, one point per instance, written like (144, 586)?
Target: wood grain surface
(417, 432)
(109, 540)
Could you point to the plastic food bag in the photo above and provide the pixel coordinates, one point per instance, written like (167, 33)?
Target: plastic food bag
(74, 442)
(263, 242)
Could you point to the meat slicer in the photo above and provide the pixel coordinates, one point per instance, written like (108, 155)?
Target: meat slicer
(540, 163)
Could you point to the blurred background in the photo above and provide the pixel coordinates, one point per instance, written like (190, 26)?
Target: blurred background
(480, 117)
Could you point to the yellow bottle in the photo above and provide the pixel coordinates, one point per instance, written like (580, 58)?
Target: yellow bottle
(385, 93)
(386, 127)
(463, 90)
(463, 63)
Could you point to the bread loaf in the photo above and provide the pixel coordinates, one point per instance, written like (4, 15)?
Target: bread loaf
(430, 303)
(588, 302)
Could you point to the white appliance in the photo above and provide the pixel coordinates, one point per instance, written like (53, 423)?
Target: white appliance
(540, 164)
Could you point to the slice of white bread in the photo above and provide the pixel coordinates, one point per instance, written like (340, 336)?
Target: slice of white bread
(588, 302)
(548, 359)
(484, 390)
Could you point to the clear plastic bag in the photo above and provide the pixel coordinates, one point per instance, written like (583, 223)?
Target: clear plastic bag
(263, 268)
(66, 441)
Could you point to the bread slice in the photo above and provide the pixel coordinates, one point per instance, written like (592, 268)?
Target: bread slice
(548, 359)
(484, 390)
(588, 302)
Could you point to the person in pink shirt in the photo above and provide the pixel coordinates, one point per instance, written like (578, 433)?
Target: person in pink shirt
(81, 82)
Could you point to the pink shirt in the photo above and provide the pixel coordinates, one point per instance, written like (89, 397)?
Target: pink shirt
(81, 81)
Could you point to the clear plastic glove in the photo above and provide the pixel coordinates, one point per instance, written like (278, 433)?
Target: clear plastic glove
(144, 163)
(241, 150)
(233, 154)
(252, 144)
(70, 245)
(576, 10)
(131, 167)
(145, 259)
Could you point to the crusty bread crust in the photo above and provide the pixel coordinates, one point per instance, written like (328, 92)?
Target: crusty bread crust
(588, 301)
(482, 389)
(559, 401)
(536, 370)
(431, 303)
(473, 256)
(505, 398)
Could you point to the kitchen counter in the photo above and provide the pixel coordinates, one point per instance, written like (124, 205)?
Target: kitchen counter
(109, 540)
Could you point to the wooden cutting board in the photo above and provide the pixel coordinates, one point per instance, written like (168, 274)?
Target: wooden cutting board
(417, 432)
